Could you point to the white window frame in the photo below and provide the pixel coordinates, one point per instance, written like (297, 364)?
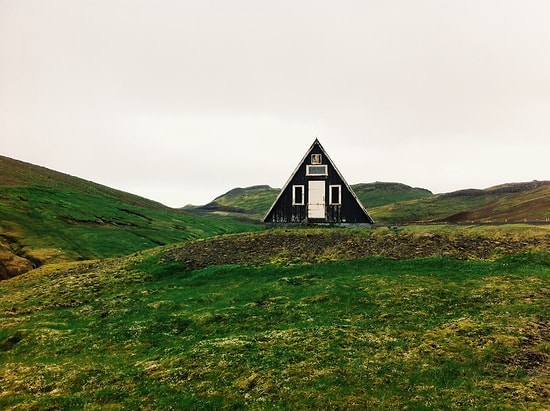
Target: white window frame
(294, 196)
(309, 169)
(331, 200)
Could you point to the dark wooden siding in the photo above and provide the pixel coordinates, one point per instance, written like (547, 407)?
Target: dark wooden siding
(348, 211)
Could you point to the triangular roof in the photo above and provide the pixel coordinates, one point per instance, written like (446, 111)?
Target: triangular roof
(360, 213)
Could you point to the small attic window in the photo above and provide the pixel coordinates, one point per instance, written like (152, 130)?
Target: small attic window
(316, 159)
(315, 170)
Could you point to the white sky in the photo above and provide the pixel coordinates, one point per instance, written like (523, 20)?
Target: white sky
(180, 101)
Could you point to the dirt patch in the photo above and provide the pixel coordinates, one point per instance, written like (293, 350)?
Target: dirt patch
(300, 247)
(11, 264)
(533, 358)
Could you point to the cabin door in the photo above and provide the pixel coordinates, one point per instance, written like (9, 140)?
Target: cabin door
(316, 203)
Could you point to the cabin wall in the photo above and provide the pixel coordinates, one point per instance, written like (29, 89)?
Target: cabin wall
(347, 211)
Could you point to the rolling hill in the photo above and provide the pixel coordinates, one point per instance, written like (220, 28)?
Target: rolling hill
(256, 200)
(506, 203)
(166, 314)
(379, 193)
(395, 203)
(301, 327)
(47, 216)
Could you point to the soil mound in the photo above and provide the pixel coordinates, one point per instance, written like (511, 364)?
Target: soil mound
(297, 247)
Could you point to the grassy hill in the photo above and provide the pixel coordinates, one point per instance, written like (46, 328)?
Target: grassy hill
(394, 203)
(167, 314)
(256, 200)
(516, 202)
(47, 216)
(380, 193)
(315, 327)
(511, 202)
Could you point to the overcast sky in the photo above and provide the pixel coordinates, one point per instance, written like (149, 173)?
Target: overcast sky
(180, 101)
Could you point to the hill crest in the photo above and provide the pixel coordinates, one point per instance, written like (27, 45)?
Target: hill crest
(48, 216)
(396, 203)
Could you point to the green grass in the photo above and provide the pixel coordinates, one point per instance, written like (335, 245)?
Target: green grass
(427, 209)
(142, 332)
(54, 224)
(520, 202)
(379, 193)
(256, 199)
(47, 216)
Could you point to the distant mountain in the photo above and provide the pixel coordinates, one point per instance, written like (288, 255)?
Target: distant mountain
(254, 200)
(47, 216)
(516, 202)
(379, 193)
(506, 203)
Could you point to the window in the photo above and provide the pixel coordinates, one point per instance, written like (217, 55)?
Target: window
(335, 195)
(316, 159)
(317, 170)
(298, 195)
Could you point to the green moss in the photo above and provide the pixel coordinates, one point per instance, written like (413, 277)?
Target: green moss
(143, 332)
(51, 224)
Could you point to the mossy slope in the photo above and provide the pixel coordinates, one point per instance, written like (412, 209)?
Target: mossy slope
(46, 217)
(149, 332)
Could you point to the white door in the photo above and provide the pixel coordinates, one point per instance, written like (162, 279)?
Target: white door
(316, 203)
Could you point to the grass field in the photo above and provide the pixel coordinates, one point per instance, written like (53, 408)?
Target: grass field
(50, 224)
(145, 332)
(48, 217)
(416, 317)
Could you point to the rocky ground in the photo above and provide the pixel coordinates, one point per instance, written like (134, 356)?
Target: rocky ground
(295, 246)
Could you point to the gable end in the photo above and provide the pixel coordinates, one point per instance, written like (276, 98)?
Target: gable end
(317, 193)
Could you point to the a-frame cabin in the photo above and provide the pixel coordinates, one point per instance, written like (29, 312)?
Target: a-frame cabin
(316, 193)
